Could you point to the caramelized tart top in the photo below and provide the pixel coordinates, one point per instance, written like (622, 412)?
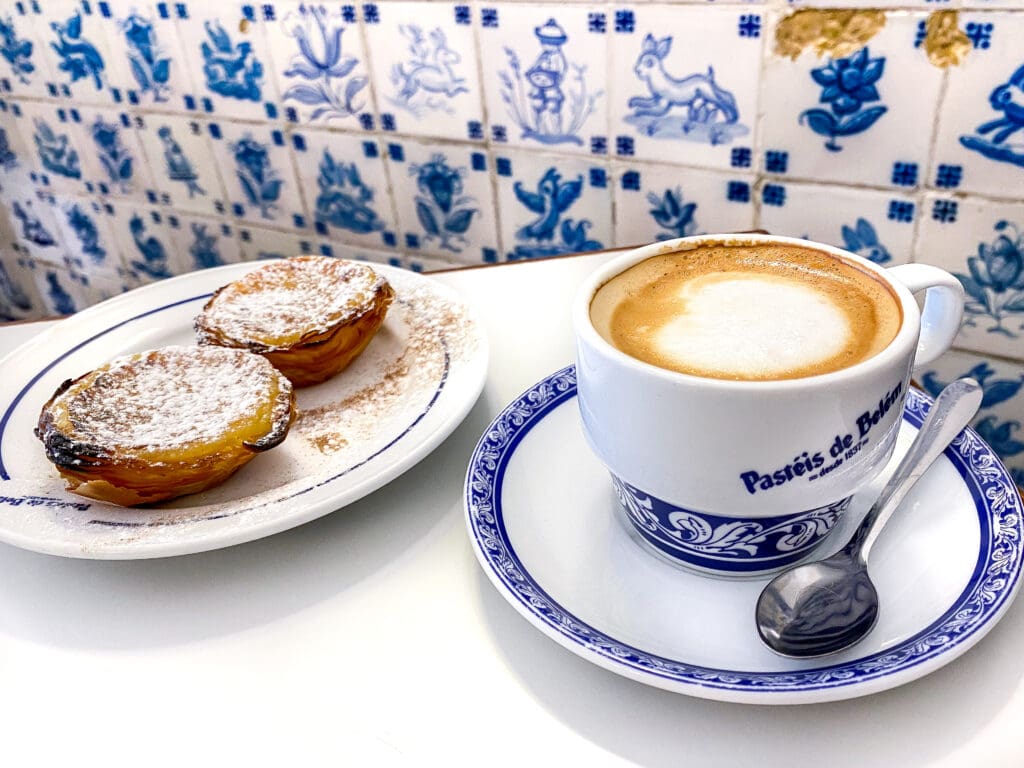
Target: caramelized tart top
(287, 302)
(164, 405)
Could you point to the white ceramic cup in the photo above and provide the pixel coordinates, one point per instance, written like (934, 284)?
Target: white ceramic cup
(746, 477)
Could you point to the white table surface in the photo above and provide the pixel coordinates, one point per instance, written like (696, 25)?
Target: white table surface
(371, 637)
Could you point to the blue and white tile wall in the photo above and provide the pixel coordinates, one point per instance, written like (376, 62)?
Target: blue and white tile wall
(142, 139)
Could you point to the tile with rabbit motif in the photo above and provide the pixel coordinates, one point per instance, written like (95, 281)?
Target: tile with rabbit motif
(854, 116)
(684, 84)
(319, 65)
(147, 59)
(73, 37)
(204, 242)
(182, 163)
(423, 58)
(56, 144)
(999, 419)
(113, 161)
(258, 243)
(256, 168)
(148, 249)
(659, 202)
(346, 187)
(982, 243)
(24, 65)
(227, 56)
(545, 75)
(443, 200)
(876, 225)
(980, 142)
(551, 205)
(85, 227)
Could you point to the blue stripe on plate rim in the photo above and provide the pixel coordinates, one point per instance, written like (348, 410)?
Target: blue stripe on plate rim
(992, 585)
(306, 489)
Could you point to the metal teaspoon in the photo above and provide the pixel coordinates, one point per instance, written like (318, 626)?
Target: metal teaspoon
(826, 606)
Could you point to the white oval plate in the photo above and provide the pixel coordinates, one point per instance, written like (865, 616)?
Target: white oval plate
(547, 529)
(405, 393)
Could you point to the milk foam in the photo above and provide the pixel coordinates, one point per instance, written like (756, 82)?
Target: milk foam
(721, 325)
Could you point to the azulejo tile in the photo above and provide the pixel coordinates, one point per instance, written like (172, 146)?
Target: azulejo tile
(182, 163)
(32, 219)
(545, 73)
(147, 248)
(259, 243)
(89, 242)
(422, 264)
(443, 200)
(227, 56)
(256, 168)
(423, 58)
(980, 143)
(15, 150)
(74, 41)
(853, 118)
(684, 83)
(552, 205)
(982, 243)
(204, 242)
(345, 186)
(112, 157)
(24, 66)
(876, 225)
(319, 65)
(147, 59)
(999, 419)
(60, 292)
(358, 253)
(659, 202)
(55, 143)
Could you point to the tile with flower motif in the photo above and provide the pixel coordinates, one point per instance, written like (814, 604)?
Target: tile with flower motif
(545, 75)
(147, 59)
(660, 202)
(256, 168)
(113, 161)
(876, 225)
(982, 243)
(182, 163)
(227, 56)
(78, 58)
(319, 65)
(85, 226)
(147, 248)
(423, 58)
(204, 242)
(24, 65)
(551, 206)
(1002, 407)
(60, 292)
(443, 200)
(16, 151)
(346, 187)
(258, 243)
(861, 118)
(32, 219)
(684, 82)
(55, 145)
(980, 142)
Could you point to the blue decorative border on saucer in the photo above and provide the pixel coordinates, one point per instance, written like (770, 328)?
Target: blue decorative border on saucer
(992, 583)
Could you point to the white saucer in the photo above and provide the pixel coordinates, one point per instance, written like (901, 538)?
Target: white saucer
(402, 396)
(547, 529)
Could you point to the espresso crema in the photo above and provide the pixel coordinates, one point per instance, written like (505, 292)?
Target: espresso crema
(747, 312)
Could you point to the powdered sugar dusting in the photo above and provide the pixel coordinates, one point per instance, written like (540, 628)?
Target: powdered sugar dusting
(170, 398)
(290, 299)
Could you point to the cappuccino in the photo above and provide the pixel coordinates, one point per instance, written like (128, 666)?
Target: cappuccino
(747, 312)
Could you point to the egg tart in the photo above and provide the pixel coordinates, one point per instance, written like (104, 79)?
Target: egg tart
(310, 316)
(164, 423)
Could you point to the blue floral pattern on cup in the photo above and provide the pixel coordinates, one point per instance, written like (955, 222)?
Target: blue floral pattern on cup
(725, 544)
(847, 84)
(329, 83)
(995, 285)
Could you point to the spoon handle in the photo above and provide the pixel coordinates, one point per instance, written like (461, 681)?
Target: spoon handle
(953, 410)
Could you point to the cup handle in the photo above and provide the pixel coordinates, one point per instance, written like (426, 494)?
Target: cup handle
(943, 307)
